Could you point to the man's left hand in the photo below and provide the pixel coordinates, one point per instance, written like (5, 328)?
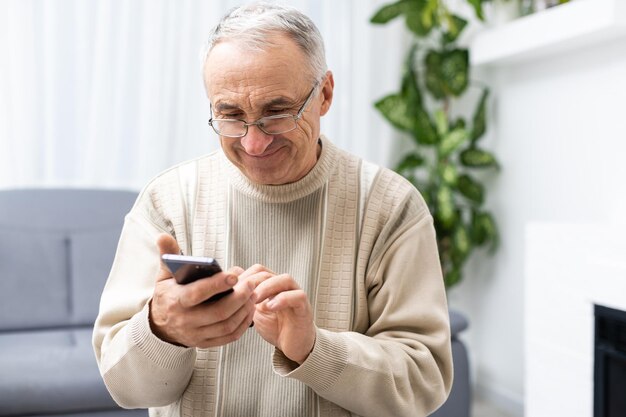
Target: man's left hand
(284, 317)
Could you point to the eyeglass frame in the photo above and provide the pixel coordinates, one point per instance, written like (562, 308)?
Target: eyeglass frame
(259, 123)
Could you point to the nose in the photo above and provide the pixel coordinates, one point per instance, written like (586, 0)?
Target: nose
(256, 142)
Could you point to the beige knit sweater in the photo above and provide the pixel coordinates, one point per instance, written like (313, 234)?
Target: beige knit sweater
(358, 238)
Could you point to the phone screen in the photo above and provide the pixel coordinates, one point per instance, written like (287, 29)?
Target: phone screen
(187, 269)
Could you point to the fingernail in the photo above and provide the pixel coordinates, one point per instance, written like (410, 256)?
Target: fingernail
(232, 280)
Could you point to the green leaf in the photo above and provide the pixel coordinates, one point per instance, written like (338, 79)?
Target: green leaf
(407, 117)
(410, 88)
(429, 13)
(452, 140)
(478, 158)
(422, 128)
(479, 123)
(479, 232)
(471, 189)
(410, 162)
(452, 277)
(461, 244)
(395, 109)
(454, 71)
(445, 212)
(433, 78)
(455, 25)
(484, 229)
(478, 8)
(441, 121)
(416, 22)
(424, 132)
(448, 174)
(447, 72)
(391, 11)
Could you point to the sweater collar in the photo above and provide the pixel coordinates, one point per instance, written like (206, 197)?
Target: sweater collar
(311, 182)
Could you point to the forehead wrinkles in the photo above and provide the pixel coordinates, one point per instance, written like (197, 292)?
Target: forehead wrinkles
(255, 97)
(252, 79)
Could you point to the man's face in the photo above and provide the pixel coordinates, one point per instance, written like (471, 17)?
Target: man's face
(249, 85)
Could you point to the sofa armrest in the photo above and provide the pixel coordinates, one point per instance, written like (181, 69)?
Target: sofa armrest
(458, 323)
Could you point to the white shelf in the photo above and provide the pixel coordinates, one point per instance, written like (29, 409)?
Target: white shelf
(559, 29)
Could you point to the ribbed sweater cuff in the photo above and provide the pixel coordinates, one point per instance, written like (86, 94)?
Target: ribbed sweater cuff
(324, 365)
(163, 354)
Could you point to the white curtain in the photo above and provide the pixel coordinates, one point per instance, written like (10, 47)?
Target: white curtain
(108, 93)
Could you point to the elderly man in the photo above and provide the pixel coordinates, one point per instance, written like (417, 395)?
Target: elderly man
(338, 306)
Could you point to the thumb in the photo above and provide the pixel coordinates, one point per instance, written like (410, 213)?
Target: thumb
(166, 244)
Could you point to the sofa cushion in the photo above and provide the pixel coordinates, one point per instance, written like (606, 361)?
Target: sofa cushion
(91, 256)
(56, 250)
(50, 371)
(53, 279)
(34, 271)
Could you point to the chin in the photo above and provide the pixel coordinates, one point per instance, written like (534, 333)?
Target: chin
(267, 174)
(266, 179)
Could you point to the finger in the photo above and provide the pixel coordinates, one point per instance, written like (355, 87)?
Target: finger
(220, 333)
(166, 244)
(208, 317)
(199, 291)
(255, 269)
(236, 270)
(275, 285)
(295, 300)
(259, 277)
(230, 324)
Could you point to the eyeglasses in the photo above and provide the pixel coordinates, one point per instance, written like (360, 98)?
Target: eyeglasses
(270, 125)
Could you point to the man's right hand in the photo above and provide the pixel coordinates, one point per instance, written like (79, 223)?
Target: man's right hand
(179, 316)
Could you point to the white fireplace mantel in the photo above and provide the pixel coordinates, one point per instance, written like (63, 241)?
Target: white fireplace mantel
(568, 269)
(559, 29)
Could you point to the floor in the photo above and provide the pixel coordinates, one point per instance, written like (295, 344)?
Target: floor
(481, 408)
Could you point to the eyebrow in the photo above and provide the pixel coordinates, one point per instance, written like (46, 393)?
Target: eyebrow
(278, 101)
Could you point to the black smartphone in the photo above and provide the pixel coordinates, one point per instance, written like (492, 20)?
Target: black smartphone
(187, 269)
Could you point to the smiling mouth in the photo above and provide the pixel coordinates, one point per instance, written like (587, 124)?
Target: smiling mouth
(265, 154)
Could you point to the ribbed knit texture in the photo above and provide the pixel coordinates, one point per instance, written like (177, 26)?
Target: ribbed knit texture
(258, 233)
(260, 219)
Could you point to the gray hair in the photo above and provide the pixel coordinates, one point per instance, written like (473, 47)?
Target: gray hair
(251, 25)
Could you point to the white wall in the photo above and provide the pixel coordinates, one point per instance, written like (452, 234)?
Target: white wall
(562, 265)
(558, 127)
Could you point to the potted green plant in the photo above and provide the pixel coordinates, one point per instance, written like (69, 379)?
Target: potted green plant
(446, 152)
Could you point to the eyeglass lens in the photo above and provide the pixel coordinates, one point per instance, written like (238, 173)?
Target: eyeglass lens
(269, 125)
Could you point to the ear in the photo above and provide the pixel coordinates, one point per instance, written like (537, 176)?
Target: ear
(327, 92)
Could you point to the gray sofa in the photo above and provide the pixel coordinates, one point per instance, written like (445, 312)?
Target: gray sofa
(56, 249)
